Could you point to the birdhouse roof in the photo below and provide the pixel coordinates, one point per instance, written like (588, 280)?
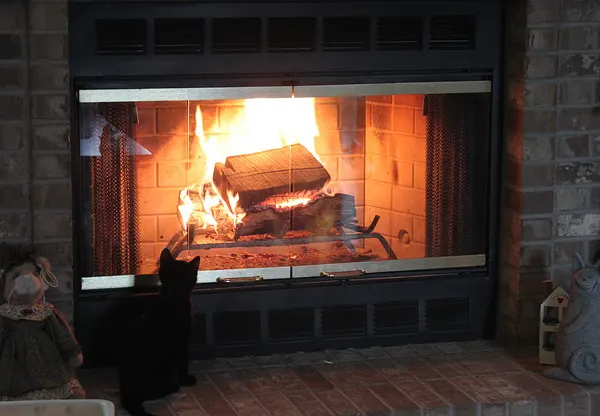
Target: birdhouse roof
(557, 293)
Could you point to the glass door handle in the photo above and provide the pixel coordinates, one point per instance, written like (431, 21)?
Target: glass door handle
(349, 273)
(257, 278)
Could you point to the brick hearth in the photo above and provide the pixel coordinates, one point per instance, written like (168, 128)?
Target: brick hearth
(458, 379)
(551, 154)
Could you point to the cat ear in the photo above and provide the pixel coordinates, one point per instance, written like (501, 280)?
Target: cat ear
(578, 262)
(165, 256)
(195, 262)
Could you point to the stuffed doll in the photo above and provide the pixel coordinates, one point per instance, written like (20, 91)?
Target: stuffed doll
(38, 351)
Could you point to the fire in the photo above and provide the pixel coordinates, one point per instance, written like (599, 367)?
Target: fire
(265, 123)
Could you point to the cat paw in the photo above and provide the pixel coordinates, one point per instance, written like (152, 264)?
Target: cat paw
(188, 380)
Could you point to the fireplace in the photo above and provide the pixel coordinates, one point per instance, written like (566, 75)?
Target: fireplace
(333, 164)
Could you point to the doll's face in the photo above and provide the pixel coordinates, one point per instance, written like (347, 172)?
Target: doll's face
(22, 284)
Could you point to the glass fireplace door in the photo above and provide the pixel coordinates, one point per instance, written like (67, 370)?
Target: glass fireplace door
(273, 183)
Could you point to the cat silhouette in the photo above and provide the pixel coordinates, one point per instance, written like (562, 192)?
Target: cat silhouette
(156, 354)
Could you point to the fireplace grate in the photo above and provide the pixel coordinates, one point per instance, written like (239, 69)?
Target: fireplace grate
(452, 32)
(449, 314)
(176, 36)
(346, 34)
(121, 36)
(295, 34)
(396, 318)
(291, 324)
(237, 328)
(236, 35)
(399, 33)
(344, 321)
(198, 338)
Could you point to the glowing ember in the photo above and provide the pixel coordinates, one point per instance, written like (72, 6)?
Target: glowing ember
(291, 200)
(265, 123)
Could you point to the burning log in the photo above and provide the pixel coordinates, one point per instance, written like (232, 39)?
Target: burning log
(257, 176)
(319, 216)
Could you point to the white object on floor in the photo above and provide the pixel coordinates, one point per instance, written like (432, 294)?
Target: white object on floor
(58, 408)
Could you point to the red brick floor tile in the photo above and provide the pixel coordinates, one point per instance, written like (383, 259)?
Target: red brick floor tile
(391, 370)
(216, 364)
(550, 407)
(373, 352)
(297, 358)
(216, 406)
(477, 391)
(307, 403)
(423, 349)
(446, 365)
(285, 379)
(364, 400)
(278, 405)
(498, 362)
(246, 405)
(159, 408)
(312, 378)
(530, 385)
(319, 357)
(227, 382)
(479, 345)
(473, 364)
(509, 392)
(337, 403)
(337, 374)
(450, 393)
(393, 397)
(418, 368)
(397, 351)
(421, 394)
(522, 408)
(561, 387)
(365, 373)
(183, 404)
(577, 405)
(450, 348)
(268, 360)
(257, 381)
(204, 387)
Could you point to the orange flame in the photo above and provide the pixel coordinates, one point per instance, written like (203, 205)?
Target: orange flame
(264, 124)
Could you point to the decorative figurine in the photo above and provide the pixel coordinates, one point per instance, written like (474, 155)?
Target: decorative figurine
(551, 315)
(38, 351)
(578, 335)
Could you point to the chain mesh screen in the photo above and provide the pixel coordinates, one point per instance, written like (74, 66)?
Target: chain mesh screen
(113, 195)
(455, 212)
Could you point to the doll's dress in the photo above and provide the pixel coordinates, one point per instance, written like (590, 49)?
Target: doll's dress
(35, 344)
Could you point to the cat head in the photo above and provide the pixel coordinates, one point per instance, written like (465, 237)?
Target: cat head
(177, 277)
(585, 277)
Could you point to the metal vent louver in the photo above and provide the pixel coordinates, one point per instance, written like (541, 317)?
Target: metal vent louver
(237, 328)
(291, 324)
(399, 33)
(448, 314)
(346, 34)
(121, 36)
(344, 321)
(452, 32)
(178, 36)
(199, 330)
(396, 318)
(236, 35)
(294, 34)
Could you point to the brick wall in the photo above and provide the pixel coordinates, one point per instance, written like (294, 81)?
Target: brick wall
(395, 181)
(551, 189)
(35, 191)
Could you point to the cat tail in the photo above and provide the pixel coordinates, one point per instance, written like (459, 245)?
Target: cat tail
(584, 365)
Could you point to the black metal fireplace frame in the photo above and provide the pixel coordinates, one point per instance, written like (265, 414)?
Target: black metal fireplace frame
(318, 299)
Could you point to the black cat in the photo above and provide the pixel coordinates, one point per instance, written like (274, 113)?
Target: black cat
(155, 362)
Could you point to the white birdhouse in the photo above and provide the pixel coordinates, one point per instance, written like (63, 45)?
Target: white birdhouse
(551, 315)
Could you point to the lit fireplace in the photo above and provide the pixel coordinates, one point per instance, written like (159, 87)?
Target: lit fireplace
(334, 165)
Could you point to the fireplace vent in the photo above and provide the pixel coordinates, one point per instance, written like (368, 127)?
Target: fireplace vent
(199, 331)
(239, 327)
(121, 37)
(346, 34)
(291, 324)
(452, 32)
(178, 36)
(399, 33)
(449, 314)
(295, 34)
(395, 318)
(344, 321)
(236, 35)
